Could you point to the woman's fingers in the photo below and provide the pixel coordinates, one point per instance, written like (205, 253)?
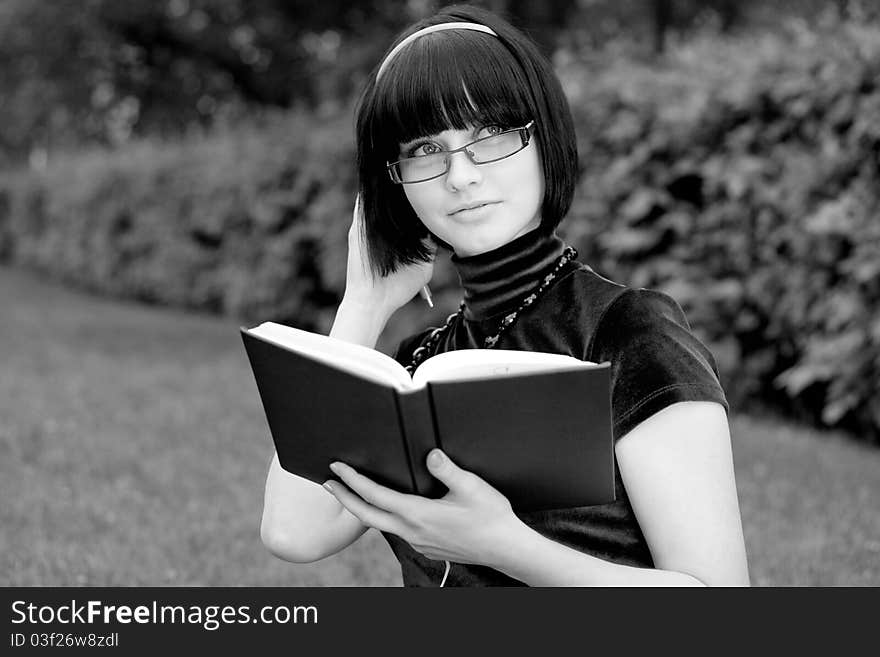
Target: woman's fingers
(375, 494)
(367, 514)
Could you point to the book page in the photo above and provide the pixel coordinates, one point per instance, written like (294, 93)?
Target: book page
(354, 358)
(484, 363)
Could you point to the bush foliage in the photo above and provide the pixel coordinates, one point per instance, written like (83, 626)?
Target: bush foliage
(239, 223)
(745, 181)
(742, 177)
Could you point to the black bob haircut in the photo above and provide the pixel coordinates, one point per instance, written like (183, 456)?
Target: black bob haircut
(424, 90)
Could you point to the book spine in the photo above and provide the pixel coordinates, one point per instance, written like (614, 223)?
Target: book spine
(417, 424)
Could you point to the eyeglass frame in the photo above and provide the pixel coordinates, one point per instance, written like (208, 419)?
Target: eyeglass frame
(525, 134)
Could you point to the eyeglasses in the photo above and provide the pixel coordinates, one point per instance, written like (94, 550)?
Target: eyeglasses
(482, 151)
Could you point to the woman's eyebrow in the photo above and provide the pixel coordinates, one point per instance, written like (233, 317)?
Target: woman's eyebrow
(416, 140)
(405, 146)
(435, 137)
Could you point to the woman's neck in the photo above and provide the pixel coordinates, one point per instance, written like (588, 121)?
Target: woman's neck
(495, 282)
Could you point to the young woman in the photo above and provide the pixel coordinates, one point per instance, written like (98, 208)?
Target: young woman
(465, 141)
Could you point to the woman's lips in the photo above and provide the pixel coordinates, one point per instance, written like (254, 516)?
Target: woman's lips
(474, 210)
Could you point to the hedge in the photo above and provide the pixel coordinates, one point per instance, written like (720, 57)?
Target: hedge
(741, 176)
(745, 181)
(237, 223)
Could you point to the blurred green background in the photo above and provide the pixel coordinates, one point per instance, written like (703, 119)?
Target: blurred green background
(197, 156)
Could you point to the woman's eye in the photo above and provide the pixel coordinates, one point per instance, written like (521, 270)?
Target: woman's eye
(490, 130)
(425, 148)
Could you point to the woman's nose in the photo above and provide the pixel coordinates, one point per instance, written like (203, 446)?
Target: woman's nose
(462, 171)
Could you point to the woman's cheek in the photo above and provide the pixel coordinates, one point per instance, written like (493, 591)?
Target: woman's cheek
(426, 208)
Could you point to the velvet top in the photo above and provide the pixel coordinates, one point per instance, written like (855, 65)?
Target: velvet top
(655, 361)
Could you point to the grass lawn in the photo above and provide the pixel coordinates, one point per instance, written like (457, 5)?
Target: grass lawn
(133, 451)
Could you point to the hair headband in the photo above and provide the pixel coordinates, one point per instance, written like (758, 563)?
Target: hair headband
(428, 30)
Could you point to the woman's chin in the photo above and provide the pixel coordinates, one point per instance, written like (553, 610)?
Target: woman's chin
(479, 238)
(477, 245)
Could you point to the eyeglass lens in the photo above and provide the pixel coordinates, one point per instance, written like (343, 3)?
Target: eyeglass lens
(482, 151)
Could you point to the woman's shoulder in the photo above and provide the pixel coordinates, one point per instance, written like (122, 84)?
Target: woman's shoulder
(639, 309)
(602, 304)
(581, 285)
(618, 302)
(648, 321)
(656, 358)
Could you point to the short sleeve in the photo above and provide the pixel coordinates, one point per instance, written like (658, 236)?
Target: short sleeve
(655, 359)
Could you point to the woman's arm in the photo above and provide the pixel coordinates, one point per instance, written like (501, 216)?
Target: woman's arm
(677, 468)
(301, 521)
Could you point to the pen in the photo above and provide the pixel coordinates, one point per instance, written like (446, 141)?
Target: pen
(425, 293)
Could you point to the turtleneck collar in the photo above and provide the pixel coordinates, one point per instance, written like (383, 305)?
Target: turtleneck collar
(497, 281)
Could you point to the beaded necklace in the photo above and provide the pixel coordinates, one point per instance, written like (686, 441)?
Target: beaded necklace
(434, 337)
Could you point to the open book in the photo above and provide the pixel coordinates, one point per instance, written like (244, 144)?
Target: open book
(537, 426)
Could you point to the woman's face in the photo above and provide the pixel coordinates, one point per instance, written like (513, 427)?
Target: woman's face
(476, 208)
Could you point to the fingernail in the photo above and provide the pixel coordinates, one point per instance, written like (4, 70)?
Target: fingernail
(328, 486)
(335, 467)
(436, 457)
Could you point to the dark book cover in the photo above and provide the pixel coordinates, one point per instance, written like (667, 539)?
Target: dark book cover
(543, 439)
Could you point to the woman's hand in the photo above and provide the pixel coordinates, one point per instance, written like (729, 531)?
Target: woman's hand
(467, 525)
(386, 292)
